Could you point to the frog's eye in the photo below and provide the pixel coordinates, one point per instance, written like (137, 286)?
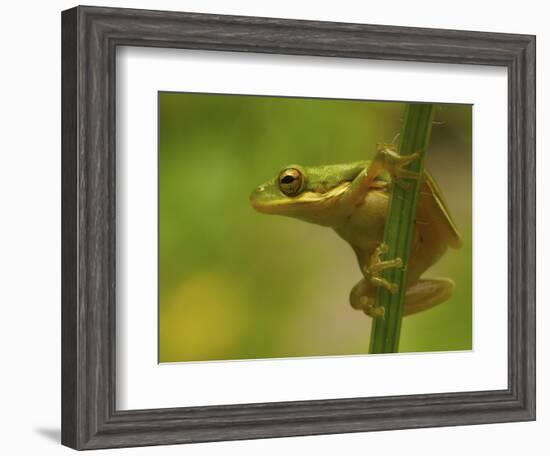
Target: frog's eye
(291, 181)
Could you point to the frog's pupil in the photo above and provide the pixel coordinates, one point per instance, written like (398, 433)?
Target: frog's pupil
(287, 179)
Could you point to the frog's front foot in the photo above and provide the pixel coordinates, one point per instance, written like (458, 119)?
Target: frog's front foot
(395, 164)
(377, 265)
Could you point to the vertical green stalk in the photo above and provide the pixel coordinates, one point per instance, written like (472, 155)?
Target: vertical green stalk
(399, 228)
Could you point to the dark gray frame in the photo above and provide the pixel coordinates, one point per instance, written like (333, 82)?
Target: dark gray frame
(89, 38)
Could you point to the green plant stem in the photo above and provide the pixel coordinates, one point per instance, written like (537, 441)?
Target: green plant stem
(399, 228)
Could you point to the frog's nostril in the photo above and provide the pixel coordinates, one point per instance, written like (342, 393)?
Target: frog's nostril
(260, 189)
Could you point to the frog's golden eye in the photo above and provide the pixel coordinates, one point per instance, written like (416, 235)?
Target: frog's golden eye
(291, 181)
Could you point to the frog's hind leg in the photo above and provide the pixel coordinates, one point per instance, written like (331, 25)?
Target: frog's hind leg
(423, 295)
(427, 293)
(362, 297)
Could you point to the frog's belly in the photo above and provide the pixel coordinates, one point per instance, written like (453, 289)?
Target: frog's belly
(364, 230)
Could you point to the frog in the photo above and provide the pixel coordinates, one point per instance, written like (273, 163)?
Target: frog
(352, 199)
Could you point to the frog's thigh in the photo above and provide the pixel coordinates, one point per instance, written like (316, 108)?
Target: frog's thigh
(423, 295)
(427, 293)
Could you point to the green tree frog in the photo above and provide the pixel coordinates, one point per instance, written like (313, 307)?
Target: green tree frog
(352, 199)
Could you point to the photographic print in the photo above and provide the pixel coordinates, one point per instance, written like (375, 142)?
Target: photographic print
(300, 227)
(280, 236)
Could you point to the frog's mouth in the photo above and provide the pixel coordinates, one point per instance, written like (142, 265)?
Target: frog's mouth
(306, 202)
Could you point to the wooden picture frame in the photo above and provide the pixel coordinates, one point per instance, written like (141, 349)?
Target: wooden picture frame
(90, 36)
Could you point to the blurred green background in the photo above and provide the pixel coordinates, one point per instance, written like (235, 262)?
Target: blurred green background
(237, 284)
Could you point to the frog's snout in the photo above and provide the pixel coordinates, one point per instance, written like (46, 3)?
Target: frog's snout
(256, 198)
(257, 193)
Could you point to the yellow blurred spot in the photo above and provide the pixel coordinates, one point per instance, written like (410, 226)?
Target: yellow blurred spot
(202, 319)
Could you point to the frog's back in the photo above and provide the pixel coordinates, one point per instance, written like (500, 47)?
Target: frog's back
(433, 209)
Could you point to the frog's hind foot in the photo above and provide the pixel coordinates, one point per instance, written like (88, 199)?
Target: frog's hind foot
(368, 306)
(377, 265)
(371, 309)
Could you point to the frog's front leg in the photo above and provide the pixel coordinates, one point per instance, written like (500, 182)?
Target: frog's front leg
(386, 160)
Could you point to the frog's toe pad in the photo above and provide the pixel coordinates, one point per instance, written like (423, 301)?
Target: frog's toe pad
(375, 311)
